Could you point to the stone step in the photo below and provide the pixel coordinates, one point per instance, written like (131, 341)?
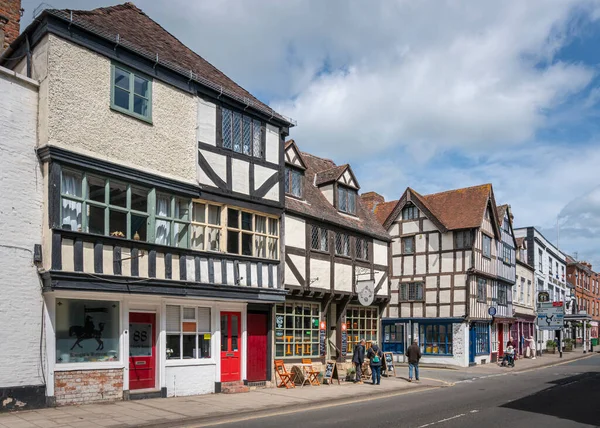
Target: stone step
(234, 388)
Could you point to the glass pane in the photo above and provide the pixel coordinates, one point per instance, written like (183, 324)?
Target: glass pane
(139, 228)
(232, 242)
(237, 132)
(139, 199)
(182, 209)
(234, 333)
(140, 105)
(173, 346)
(233, 218)
(256, 143)
(96, 189)
(140, 86)
(140, 339)
(121, 98)
(260, 246)
(203, 347)
(224, 334)
(226, 128)
(296, 183)
(189, 346)
(163, 232)
(117, 223)
(342, 199)
(71, 183)
(247, 136)
(122, 78)
(273, 227)
(246, 244)
(198, 237)
(287, 180)
(261, 224)
(95, 219)
(272, 248)
(351, 202)
(87, 331)
(214, 215)
(199, 213)
(71, 215)
(214, 239)
(118, 194)
(163, 205)
(246, 221)
(181, 235)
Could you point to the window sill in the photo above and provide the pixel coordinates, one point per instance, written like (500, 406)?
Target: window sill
(411, 301)
(436, 355)
(343, 256)
(66, 367)
(299, 198)
(190, 362)
(320, 251)
(133, 115)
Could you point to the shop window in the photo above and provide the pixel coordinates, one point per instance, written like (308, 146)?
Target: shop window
(436, 339)
(87, 331)
(362, 323)
(482, 338)
(297, 329)
(393, 338)
(188, 333)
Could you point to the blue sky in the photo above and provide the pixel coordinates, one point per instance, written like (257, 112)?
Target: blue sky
(432, 94)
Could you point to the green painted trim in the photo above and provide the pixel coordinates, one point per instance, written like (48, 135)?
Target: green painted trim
(132, 75)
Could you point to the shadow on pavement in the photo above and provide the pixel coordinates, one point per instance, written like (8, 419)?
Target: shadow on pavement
(573, 398)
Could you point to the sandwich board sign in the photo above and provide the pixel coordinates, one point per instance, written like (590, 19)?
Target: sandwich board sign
(551, 315)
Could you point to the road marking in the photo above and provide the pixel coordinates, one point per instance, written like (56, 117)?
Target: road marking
(443, 420)
(474, 411)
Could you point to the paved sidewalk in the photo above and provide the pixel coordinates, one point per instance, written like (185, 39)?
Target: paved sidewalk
(182, 411)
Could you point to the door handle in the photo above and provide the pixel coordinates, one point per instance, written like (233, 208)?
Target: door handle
(140, 363)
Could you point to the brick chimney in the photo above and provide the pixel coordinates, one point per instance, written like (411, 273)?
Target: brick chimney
(371, 200)
(10, 17)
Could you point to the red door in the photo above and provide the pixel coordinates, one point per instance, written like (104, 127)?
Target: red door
(142, 351)
(231, 343)
(500, 340)
(257, 347)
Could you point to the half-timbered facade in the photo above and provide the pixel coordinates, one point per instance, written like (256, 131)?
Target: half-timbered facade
(162, 233)
(332, 246)
(445, 273)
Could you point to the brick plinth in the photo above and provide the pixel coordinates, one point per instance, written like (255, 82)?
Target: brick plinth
(87, 386)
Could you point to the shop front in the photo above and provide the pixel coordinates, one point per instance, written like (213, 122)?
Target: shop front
(521, 330)
(105, 346)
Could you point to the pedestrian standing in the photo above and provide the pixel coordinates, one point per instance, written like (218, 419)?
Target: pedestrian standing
(375, 357)
(414, 355)
(358, 358)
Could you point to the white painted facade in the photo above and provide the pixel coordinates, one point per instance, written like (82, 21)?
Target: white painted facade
(21, 187)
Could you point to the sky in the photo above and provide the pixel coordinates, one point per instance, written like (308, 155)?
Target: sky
(431, 94)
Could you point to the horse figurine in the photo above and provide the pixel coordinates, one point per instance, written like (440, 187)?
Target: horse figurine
(83, 333)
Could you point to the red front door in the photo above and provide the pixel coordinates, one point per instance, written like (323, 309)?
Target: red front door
(500, 340)
(142, 350)
(257, 347)
(231, 343)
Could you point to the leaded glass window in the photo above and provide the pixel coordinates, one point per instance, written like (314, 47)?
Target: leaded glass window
(241, 133)
(342, 244)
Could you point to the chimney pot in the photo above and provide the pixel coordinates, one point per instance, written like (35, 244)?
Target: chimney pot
(371, 200)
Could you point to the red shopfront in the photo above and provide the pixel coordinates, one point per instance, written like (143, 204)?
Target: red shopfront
(521, 330)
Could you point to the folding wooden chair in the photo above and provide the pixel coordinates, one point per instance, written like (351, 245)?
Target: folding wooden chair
(309, 372)
(286, 378)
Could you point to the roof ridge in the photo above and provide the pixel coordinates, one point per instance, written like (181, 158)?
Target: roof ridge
(454, 190)
(316, 157)
(96, 11)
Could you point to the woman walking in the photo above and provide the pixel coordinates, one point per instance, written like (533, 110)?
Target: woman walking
(375, 356)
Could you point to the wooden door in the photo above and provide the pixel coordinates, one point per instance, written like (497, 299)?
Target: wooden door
(500, 340)
(231, 344)
(142, 350)
(257, 347)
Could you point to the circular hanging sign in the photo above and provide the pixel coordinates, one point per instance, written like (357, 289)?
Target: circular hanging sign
(543, 296)
(492, 311)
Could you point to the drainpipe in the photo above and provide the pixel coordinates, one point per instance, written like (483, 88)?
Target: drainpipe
(28, 56)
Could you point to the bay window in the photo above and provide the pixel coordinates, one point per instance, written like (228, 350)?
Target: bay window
(297, 329)
(251, 234)
(188, 333)
(362, 323)
(206, 226)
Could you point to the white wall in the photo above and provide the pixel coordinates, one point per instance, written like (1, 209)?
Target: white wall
(190, 380)
(272, 144)
(21, 187)
(295, 232)
(380, 252)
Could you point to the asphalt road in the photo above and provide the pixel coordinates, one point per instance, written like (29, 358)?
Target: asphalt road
(567, 395)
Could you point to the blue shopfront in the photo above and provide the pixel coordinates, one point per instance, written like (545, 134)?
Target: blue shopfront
(435, 336)
(479, 341)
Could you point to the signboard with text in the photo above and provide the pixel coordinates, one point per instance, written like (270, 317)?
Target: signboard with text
(551, 315)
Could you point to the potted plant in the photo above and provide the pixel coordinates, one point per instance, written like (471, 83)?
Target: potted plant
(350, 374)
(551, 346)
(568, 344)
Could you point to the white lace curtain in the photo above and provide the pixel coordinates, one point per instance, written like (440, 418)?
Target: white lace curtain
(162, 226)
(71, 210)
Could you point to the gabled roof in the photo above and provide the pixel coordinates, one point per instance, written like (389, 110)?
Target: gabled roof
(502, 209)
(316, 205)
(330, 175)
(138, 31)
(451, 210)
(291, 145)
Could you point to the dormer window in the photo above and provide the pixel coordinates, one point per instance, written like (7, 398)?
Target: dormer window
(347, 200)
(293, 182)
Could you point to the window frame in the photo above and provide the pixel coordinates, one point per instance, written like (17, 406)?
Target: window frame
(271, 240)
(447, 344)
(354, 314)
(257, 139)
(404, 240)
(410, 212)
(342, 244)
(418, 292)
(320, 232)
(290, 171)
(197, 333)
(486, 239)
(289, 347)
(482, 338)
(462, 234)
(502, 296)
(132, 75)
(361, 246)
(506, 254)
(341, 190)
(482, 290)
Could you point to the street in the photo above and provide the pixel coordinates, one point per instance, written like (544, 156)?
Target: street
(561, 396)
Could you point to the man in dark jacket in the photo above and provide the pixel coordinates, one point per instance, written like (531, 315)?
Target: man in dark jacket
(414, 355)
(358, 358)
(375, 357)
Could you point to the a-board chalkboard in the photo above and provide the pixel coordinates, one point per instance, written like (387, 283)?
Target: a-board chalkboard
(388, 363)
(331, 372)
